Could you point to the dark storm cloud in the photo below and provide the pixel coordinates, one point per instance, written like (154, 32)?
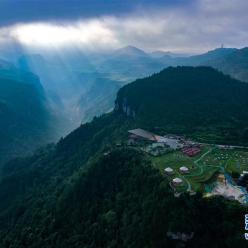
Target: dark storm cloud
(14, 11)
(198, 26)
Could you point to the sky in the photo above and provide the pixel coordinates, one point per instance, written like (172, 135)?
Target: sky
(189, 26)
(37, 10)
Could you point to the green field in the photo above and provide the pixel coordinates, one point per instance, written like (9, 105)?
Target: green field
(235, 160)
(202, 167)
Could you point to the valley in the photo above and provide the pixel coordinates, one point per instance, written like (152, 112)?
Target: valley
(123, 124)
(102, 178)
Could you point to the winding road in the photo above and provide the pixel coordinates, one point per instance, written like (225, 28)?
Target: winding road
(196, 162)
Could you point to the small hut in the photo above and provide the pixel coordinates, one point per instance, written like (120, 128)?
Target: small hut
(177, 181)
(184, 170)
(168, 171)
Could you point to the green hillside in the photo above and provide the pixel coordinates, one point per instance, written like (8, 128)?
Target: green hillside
(24, 116)
(59, 199)
(86, 192)
(200, 102)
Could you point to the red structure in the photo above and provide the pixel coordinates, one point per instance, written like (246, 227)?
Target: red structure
(191, 151)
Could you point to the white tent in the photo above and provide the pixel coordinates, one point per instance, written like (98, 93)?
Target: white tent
(184, 169)
(168, 170)
(177, 180)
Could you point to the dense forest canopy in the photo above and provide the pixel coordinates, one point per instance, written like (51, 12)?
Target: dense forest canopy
(199, 101)
(74, 194)
(25, 118)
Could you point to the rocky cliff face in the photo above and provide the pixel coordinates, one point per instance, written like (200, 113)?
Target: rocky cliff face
(125, 108)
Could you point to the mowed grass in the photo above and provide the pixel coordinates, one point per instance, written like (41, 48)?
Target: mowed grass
(174, 160)
(198, 174)
(235, 160)
(197, 182)
(204, 166)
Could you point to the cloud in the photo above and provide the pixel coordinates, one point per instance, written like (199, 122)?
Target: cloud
(13, 11)
(92, 33)
(198, 27)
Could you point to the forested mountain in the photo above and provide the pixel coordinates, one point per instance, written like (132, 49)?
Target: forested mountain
(25, 119)
(81, 85)
(199, 101)
(85, 192)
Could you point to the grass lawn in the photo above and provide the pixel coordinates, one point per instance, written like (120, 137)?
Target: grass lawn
(176, 160)
(235, 160)
(202, 167)
(173, 159)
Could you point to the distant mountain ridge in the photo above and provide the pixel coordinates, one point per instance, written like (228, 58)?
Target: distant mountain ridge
(212, 55)
(235, 64)
(80, 86)
(129, 63)
(72, 79)
(160, 54)
(231, 61)
(132, 62)
(130, 51)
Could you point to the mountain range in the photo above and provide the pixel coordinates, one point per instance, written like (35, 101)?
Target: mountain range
(78, 86)
(231, 61)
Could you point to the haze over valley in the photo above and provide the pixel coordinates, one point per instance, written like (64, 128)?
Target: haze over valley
(83, 60)
(74, 86)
